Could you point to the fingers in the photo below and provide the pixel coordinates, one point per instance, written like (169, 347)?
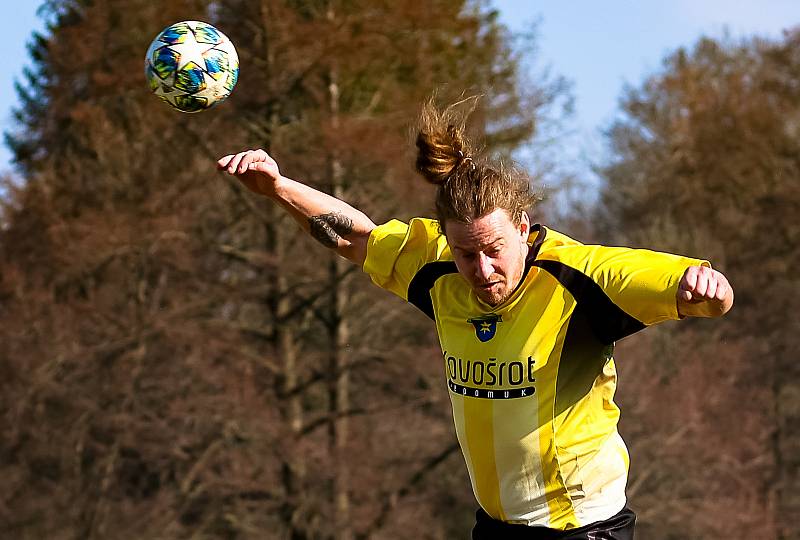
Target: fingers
(243, 161)
(233, 166)
(700, 283)
(222, 163)
(231, 161)
(255, 169)
(688, 284)
(722, 287)
(690, 278)
(685, 295)
(704, 292)
(249, 158)
(711, 287)
(701, 286)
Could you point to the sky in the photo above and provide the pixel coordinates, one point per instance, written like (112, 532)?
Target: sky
(17, 21)
(599, 46)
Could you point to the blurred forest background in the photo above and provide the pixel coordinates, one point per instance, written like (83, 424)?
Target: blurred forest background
(177, 360)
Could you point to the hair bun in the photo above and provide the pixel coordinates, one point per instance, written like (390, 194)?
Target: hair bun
(441, 144)
(466, 190)
(437, 159)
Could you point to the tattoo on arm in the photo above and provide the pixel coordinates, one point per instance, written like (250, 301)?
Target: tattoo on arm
(329, 228)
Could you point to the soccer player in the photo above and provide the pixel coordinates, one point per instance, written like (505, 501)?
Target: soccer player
(527, 319)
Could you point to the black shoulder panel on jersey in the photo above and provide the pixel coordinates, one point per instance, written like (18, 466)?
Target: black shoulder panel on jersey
(583, 357)
(607, 320)
(541, 234)
(419, 290)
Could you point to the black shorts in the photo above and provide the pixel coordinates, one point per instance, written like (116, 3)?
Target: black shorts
(618, 527)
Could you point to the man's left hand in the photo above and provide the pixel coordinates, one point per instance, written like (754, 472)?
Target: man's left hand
(703, 292)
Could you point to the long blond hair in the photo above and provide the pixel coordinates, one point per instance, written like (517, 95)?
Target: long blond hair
(468, 187)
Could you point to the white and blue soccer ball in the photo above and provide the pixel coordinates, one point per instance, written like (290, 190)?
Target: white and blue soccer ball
(192, 66)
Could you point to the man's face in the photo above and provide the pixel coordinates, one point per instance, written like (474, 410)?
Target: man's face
(490, 253)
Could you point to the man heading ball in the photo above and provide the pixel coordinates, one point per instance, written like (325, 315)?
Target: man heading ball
(527, 319)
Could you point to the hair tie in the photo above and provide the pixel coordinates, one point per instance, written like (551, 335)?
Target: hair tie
(466, 159)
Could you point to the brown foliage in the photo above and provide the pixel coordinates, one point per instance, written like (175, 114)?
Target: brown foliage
(694, 409)
(707, 162)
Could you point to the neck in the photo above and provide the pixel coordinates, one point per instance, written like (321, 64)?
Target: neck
(521, 270)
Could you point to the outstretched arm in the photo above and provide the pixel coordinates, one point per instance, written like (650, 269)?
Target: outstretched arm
(332, 222)
(704, 292)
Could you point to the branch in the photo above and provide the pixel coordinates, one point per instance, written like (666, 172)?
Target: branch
(321, 376)
(391, 499)
(328, 418)
(259, 259)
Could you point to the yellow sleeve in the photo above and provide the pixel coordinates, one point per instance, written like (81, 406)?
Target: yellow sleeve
(641, 282)
(396, 251)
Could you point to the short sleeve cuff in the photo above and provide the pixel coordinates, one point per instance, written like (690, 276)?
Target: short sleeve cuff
(384, 243)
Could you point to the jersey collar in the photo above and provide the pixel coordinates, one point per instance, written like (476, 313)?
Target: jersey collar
(538, 233)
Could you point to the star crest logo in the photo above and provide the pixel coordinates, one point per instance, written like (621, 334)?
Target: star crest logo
(485, 326)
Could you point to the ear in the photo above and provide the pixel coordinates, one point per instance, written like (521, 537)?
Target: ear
(524, 226)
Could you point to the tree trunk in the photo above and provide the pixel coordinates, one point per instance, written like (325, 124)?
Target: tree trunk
(786, 441)
(338, 335)
(278, 239)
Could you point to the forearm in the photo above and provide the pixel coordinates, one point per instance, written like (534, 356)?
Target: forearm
(330, 221)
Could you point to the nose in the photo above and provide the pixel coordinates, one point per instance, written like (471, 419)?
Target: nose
(485, 269)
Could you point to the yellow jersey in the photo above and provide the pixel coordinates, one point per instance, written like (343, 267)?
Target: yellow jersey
(532, 380)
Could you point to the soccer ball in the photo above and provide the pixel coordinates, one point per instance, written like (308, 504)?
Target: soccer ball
(192, 66)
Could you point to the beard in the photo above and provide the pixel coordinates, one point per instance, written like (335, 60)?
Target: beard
(495, 295)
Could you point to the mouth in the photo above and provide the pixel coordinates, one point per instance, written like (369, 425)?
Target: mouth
(487, 286)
